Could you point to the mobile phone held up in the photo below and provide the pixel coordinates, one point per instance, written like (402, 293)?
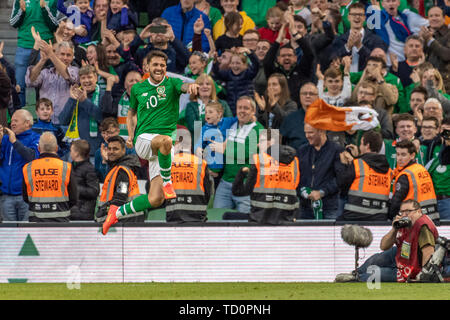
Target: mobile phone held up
(158, 29)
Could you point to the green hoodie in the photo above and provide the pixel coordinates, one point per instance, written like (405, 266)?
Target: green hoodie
(43, 19)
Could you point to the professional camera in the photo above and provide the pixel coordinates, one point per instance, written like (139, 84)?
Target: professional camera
(446, 134)
(404, 222)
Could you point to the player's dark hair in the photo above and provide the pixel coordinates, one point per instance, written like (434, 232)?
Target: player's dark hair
(156, 53)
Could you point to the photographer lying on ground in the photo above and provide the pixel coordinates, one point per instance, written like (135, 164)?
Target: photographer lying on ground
(407, 248)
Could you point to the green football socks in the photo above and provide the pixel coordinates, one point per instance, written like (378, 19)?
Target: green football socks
(139, 204)
(165, 164)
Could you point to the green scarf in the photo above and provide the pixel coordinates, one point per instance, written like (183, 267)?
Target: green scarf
(93, 125)
(317, 205)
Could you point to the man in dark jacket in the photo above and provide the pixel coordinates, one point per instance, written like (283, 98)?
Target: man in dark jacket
(123, 182)
(318, 162)
(372, 207)
(359, 41)
(284, 60)
(437, 43)
(87, 181)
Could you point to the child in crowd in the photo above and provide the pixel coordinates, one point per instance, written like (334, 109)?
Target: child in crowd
(337, 85)
(301, 9)
(44, 112)
(274, 19)
(233, 23)
(120, 17)
(82, 16)
(214, 130)
(239, 78)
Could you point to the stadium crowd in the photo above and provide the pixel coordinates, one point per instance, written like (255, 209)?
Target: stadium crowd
(259, 64)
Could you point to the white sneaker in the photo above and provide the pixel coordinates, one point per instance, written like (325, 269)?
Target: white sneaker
(345, 277)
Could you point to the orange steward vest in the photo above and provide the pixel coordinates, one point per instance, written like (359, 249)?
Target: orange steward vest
(369, 192)
(110, 185)
(47, 181)
(188, 173)
(421, 189)
(276, 184)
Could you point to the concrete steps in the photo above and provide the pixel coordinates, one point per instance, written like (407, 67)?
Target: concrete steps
(7, 33)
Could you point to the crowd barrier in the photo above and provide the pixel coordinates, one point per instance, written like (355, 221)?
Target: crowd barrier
(309, 251)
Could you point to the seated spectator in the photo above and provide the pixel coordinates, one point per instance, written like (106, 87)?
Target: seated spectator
(120, 17)
(440, 173)
(268, 184)
(337, 85)
(120, 184)
(54, 83)
(292, 127)
(214, 130)
(274, 17)
(437, 48)
(231, 6)
(19, 145)
(405, 129)
(430, 138)
(243, 135)
(182, 18)
(239, 78)
(318, 190)
(367, 179)
(82, 112)
(82, 14)
(56, 195)
(395, 25)
(386, 94)
(195, 109)
(231, 38)
(409, 177)
(88, 186)
(109, 128)
(283, 59)
(358, 41)
(44, 112)
(276, 104)
(192, 194)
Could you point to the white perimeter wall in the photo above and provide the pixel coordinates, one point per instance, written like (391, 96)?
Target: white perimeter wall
(181, 254)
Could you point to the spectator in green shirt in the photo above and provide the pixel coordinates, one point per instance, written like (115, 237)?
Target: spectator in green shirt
(26, 14)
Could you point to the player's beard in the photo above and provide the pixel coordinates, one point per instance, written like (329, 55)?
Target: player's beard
(157, 78)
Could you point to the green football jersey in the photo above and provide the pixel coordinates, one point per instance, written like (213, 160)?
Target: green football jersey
(157, 106)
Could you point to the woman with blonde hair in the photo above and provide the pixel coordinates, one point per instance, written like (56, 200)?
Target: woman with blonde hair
(431, 79)
(195, 109)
